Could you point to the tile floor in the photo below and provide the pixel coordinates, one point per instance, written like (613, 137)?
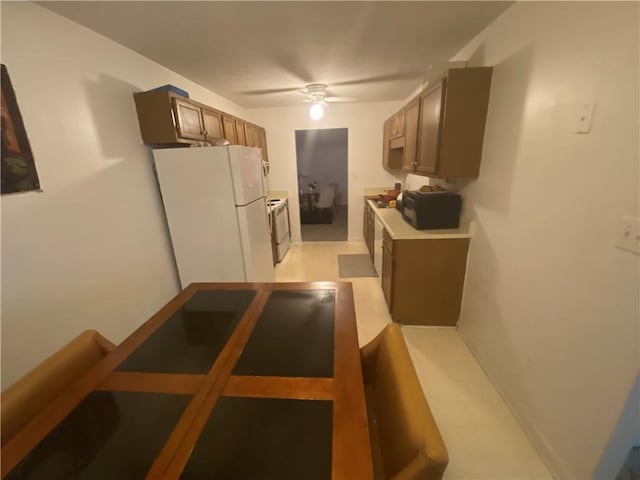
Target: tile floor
(322, 232)
(483, 438)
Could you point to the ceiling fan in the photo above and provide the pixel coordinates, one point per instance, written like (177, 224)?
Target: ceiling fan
(316, 94)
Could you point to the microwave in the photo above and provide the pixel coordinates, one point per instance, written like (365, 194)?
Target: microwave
(432, 210)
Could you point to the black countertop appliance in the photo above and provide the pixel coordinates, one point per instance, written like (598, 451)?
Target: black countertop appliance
(432, 210)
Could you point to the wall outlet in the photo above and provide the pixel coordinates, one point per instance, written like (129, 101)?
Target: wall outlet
(628, 236)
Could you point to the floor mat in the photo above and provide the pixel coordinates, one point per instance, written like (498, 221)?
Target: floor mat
(356, 265)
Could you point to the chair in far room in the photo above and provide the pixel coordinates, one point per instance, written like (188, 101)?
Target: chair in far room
(326, 200)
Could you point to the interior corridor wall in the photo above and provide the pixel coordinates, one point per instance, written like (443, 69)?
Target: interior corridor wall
(551, 306)
(92, 249)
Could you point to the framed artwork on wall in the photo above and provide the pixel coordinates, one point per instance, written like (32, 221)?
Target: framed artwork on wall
(17, 168)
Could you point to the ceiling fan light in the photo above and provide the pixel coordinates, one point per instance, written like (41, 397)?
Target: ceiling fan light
(316, 111)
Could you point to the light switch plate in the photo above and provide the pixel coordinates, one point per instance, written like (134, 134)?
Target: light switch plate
(628, 235)
(584, 119)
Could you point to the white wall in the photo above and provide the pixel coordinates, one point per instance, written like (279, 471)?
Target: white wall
(550, 307)
(92, 250)
(364, 121)
(322, 157)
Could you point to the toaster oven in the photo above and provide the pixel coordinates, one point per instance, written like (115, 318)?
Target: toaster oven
(432, 210)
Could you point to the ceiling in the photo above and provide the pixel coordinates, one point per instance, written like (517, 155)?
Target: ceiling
(249, 52)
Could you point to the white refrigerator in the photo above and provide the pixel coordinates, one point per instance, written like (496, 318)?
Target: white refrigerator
(215, 203)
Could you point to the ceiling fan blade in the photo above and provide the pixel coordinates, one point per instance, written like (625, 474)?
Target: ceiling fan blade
(382, 78)
(269, 91)
(294, 65)
(340, 99)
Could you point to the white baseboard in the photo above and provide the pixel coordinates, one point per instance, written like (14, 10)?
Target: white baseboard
(556, 465)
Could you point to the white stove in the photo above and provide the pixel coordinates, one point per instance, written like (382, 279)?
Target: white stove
(280, 215)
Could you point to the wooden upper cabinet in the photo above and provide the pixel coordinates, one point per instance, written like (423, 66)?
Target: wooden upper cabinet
(241, 133)
(386, 131)
(212, 122)
(167, 118)
(397, 125)
(253, 135)
(188, 119)
(391, 147)
(411, 120)
(443, 130)
(263, 144)
(430, 126)
(229, 129)
(257, 138)
(464, 118)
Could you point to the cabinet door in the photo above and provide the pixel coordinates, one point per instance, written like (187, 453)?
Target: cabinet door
(365, 230)
(188, 120)
(241, 133)
(263, 144)
(229, 129)
(253, 136)
(387, 273)
(386, 130)
(430, 127)
(372, 232)
(365, 224)
(397, 125)
(212, 122)
(412, 115)
(368, 229)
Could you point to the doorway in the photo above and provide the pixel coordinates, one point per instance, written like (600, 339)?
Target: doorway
(321, 157)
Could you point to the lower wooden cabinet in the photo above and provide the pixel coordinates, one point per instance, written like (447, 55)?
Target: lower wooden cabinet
(422, 280)
(387, 270)
(368, 227)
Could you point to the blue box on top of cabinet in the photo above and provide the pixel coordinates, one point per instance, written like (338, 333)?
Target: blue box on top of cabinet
(172, 88)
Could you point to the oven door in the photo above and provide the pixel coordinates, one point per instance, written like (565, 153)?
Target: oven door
(281, 229)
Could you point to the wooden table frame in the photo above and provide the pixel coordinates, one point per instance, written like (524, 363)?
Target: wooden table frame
(351, 455)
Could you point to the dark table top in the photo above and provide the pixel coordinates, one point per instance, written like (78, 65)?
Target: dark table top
(227, 381)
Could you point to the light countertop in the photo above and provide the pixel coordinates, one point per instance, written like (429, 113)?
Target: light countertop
(399, 229)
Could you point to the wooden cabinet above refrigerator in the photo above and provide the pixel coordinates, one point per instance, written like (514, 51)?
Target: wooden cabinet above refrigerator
(167, 118)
